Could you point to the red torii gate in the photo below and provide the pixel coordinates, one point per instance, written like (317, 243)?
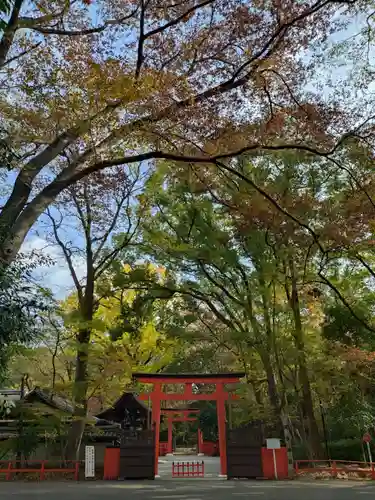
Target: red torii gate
(185, 412)
(220, 395)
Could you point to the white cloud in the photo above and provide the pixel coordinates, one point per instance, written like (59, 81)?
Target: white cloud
(56, 276)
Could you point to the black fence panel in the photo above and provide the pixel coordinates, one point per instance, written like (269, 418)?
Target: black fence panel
(244, 451)
(137, 455)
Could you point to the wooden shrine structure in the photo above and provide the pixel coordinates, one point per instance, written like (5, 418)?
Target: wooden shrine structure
(220, 395)
(128, 411)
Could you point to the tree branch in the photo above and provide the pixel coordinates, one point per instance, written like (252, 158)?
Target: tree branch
(345, 302)
(141, 40)
(67, 255)
(88, 31)
(279, 35)
(178, 19)
(103, 239)
(9, 32)
(23, 53)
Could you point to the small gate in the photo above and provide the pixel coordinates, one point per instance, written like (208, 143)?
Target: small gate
(244, 451)
(137, 455)
(187, 469)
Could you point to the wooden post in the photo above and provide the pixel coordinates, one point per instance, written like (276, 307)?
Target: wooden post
(334, 469)
(188, 389)
(230, 409)
(76, 473)
(369, 452)
(170, 436)
(9, 473)
(220, 403)
(200, 441)
(156, 418)
(42, 476)
(149, 415)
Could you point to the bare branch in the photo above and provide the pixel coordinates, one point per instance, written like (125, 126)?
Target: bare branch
(106, 261)
(120, 204)
(89, 31)
(67, 255)
(278, 36)
(23, 53)
(178, 19)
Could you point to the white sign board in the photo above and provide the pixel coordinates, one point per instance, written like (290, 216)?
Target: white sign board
(273, 444)
(89, 461)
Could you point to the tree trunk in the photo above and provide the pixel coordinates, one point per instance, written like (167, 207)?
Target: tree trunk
(257, 393)
(81, 382)
(79, 396)
(307, 400)
(264, 348)
(271, 381)
(267, 356)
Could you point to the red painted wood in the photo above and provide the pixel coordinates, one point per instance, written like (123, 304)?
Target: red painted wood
(200, 441)
(42, 476)
(189, 379)
(170, 436)
(171, 411)
(12, 467)
(188, 469)
(163, 448)
(172, 419)
(184, 419)
(281, 463)
(156, 419)
(220, 395)
(183, 397)
(9, 474)
(221, 418)
(209, 448)
(111, 463)
(334, 466)
(188, 389)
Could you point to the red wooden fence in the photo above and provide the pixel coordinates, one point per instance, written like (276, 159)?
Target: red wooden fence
(187, 469)
(9, 467)
(334, 467)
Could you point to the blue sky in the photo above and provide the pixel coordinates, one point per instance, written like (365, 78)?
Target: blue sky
(57, 276)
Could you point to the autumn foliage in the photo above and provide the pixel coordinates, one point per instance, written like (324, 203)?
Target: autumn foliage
(231, 141)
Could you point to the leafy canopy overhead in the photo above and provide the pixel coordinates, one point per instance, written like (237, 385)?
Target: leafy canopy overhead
(116, 83)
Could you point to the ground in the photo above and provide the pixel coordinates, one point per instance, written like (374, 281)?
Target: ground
(189, 489)
(209, 488)
(211, 465)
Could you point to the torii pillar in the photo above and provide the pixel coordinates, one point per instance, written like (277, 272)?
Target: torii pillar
(170, 436)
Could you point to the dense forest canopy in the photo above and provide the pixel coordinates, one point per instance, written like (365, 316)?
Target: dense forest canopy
(203, 171)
